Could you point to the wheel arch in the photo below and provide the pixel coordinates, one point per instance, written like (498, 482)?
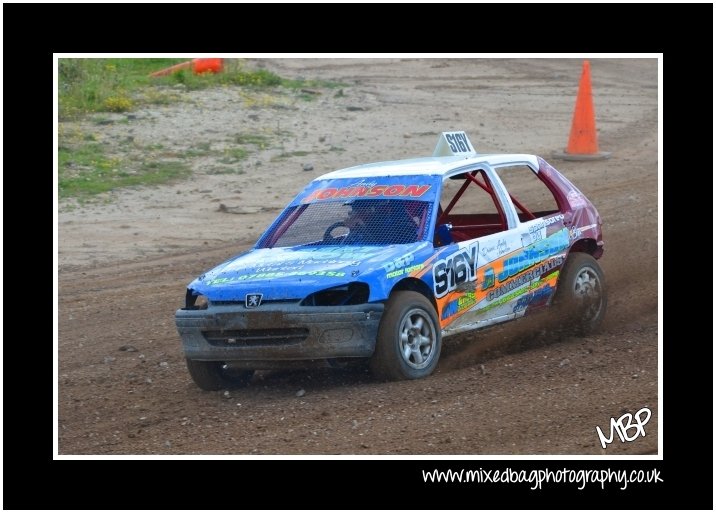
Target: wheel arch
(566, 299)
(416, 285)
(588, 246)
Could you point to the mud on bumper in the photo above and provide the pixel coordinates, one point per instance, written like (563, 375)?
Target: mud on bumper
(275, 333)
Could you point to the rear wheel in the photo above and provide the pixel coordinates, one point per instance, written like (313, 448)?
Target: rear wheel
(409, 338)
(581, 292)
(217, 375)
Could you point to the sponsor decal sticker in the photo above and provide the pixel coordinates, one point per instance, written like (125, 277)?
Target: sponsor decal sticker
(518, 273)
(400, 266)
(455, 270)
(270, 275)
(399, 190)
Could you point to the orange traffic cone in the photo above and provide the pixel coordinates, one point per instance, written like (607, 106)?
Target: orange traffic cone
(207, 66)
(198, 66)
(582, 143)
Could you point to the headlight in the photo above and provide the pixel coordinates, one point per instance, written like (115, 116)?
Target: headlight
(355, 293)
(195, 301)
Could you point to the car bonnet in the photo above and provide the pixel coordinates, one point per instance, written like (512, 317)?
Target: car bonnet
(293, 273)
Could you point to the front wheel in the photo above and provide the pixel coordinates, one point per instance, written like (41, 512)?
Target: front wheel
(582, 293)
(217, 375)
(409, 338)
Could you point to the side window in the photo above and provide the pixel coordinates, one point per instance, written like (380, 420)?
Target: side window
(529, 194)
(470, 206)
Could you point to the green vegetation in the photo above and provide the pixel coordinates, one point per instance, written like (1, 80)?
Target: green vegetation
(198, 150)
(289, 154)
(103, 85)
(119, 85)
(224, 170)
(90, 163)
(256, 139)
(85, 170)
(303, 84)
(233, 155)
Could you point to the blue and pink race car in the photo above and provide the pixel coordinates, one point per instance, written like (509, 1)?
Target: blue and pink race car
(379, 262)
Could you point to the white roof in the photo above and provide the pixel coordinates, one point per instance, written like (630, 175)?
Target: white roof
(441, 166)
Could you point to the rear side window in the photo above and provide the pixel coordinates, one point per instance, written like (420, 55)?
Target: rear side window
(529, 194)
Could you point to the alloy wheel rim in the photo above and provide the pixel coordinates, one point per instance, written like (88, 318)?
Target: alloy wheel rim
(418, 338)
(588, 289)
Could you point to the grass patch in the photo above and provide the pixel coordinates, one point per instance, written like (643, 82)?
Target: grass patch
(301, 83)
(232, 155)
(156, 96)
(201, 149)
(289, 154)
(307, 97)
(256, 139)
(258, 78)
(225, 170)
(119, 85)
(86, 170)
(260, 100)
(103, 85)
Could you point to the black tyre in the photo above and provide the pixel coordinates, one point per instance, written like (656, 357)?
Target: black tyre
(409, 338)
(217, 375)
(581, 292)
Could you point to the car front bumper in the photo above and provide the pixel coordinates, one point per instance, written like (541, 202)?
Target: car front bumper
(281, 332)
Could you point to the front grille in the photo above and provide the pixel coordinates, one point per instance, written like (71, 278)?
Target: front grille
(243, 302)
(262, 337)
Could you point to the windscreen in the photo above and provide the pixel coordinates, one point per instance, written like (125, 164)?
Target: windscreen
(375, 210)
(356, 222)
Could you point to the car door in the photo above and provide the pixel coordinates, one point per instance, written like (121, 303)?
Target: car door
(483, 232)
(525, 277)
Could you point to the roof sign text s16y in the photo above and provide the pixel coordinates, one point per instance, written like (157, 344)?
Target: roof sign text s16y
(452, 144)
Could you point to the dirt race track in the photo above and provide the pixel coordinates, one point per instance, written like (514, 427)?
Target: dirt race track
(124, 262)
